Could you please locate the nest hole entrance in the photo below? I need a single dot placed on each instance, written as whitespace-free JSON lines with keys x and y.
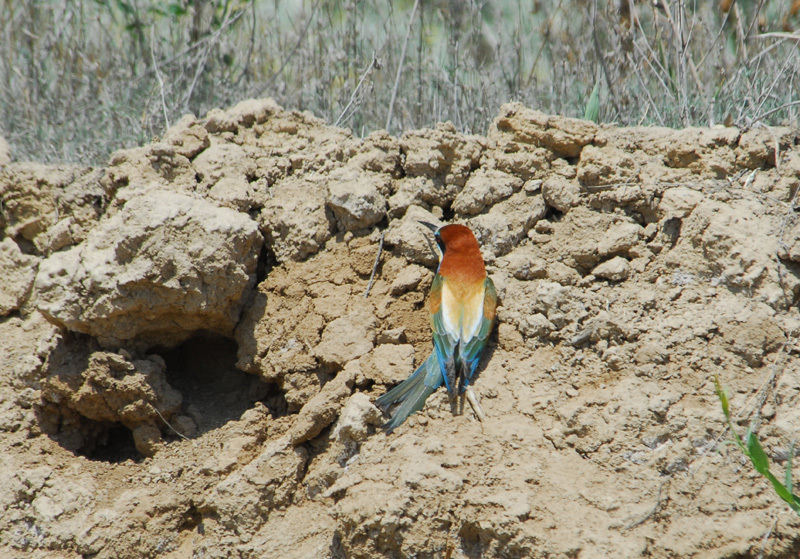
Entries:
{"x":203,"y":369}
{"x":101,"y":441}
{"x":114,"y":445}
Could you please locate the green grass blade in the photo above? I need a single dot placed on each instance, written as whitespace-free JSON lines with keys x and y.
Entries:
{"x":723,"y":398}
{"x":789,"y":468}
{"x":760,"y":462}
{"x":592,"y":111}
{"x":783,"y":492}
{"x":756,"y":453}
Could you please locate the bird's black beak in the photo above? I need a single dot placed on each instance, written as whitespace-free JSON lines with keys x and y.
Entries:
{"x":430,"y":226}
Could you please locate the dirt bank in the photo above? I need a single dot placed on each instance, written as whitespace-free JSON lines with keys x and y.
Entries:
{"x":189,"y":352}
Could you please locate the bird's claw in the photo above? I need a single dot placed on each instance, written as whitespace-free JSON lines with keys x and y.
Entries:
{"x":475,"y":403}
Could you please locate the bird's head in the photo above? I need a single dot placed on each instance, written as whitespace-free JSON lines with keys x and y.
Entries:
{"x":453,"y":238}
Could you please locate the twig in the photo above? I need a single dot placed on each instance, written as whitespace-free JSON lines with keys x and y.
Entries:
{"x":644,"y":88}
{"x":651,"y":513}
{"x":714,"y":42}
{"x":456,"y":112}
{"x":782,"y":36}
{"x":775,"y":110}
{"x":778,"y":35}
{"x":544,"y":42}
{"x":200,"y":42}
{"x":400,"y":65}
{"x":374,"y":266}
{"x":367,"y":71}
{"x":158,"y":77}
{"x":777,"y":152}
{"x":201,"y":64}
{"x":181,"y":435}
{"x":749,"y":180}
{"x":684,"y":50}
{"x":250,"y":48}
{"x":769,"y":90}
{"x":602,"y":59}
{"x":755,"y":19}
{"x":294,"y":50}
{"x":765,"y":539}
{"x":760,"y":396}
{"x":740,"y":30}
{"x":657,"y":72}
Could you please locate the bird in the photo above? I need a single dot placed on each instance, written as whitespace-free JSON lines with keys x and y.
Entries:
{"x":462,"y":306}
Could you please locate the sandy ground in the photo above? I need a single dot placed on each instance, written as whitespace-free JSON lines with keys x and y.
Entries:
{"x":190,"y":344}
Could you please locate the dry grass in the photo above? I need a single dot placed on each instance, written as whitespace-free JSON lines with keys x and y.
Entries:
{"x":79,"y":79}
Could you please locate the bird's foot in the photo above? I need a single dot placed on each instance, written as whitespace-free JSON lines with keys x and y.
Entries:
{"x":475,"y":403}
{"x":457,"y":405}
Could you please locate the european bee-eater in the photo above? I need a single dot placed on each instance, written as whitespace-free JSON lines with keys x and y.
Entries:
{"x":462,"y":307}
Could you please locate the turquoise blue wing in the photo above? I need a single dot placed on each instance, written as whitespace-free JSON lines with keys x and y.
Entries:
{"x":470,"y":352}
{"x":444,"y":341}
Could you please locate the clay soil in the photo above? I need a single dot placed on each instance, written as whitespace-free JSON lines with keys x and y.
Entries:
{"x":191,"y":339}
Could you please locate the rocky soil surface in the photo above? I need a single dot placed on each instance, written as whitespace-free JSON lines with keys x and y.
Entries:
{"x":191,"y":340}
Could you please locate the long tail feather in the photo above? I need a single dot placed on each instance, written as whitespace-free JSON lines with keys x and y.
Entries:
{"x":411,"y":393}
{"x":413,"y":403}
{"x":400,"y":392}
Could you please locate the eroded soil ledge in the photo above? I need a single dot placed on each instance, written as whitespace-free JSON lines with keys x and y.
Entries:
{"x":188,"y":357}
